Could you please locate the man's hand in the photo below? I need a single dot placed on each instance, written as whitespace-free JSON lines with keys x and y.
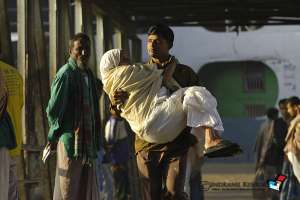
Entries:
{"x":120,"y":97}
{"x":53,"y":145}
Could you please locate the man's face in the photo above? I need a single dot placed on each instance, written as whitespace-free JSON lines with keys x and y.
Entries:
{"x":157,"y":46}
{"x":292,"y":110}
{"x":283,"y":110}
{"x":80,"y":52}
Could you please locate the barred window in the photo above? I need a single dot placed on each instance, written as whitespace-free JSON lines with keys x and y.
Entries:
{"x":255,"y":110}
{"x":254,"y":78}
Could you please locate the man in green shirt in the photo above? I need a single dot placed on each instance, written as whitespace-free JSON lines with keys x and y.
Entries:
{"x":73,"y":115}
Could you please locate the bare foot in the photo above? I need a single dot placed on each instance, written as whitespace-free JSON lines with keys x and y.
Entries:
{"x":212,"y":138}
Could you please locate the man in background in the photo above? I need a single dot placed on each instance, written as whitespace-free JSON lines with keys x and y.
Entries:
{"x":12,"y":125}
{"x":117,"y":140}
{"x":291,"y":187}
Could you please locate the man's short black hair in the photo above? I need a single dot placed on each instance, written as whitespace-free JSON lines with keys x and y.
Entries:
{"x":83,"y":38}
{"x":293,"y":101}
{"x":282,"y":101}
{"x":272,"y":113}
{"x":163,"y":31}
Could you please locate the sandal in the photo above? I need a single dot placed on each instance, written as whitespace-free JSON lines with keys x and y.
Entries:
{"x":225,"y":148}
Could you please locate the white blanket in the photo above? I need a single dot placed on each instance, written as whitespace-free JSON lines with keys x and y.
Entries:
{"x":153,"y":120}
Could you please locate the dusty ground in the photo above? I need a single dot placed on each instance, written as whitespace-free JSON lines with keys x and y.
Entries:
{"x":228,"y":181}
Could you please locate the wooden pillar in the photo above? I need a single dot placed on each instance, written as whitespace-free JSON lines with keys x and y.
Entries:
{"x":108,"y":33}
{"x":53,"y":36}
{"x":88,"y":20}
{"x":125,"y":43}
{"x":136,"y":49}
{"x":78,"y":16}
{"x":5,"y":40}
{"x":99,"y":41}
{"x":117,"y":39}
{"x":33,"y":66}
{"x":22,"y":66}
{"x":59,"y":34}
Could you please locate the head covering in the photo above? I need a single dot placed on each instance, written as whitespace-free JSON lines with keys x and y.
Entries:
{"x":109,"y":60}
{"x":164,"y":31}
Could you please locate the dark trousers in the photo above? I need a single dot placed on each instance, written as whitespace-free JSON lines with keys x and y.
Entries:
{"x":121,"y":183}
{"x":157,"y":168}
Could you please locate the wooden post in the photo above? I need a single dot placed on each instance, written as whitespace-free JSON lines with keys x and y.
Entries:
{"x":125,"y":43}
{"x":59,"y":34}
{"x":88,"y":20}
{"x":99,"y":41}
{"x":108,"y":33}
{"x":118,"y":39}
{"x":22,"y":66}
{"x":53,"y":45}
{"x":5,"y":40}
{"x":34,"y":69}
{"x":136,"y":49}
{"x":78,"y":16}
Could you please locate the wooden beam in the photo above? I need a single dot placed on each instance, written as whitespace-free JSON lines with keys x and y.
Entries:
{"x":121,"y":21}
{"x":5,"y":40}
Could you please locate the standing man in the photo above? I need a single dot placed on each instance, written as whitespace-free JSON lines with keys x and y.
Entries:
{"x":74,"y":120}
{"x":268,"y":159}
{"x":163,"y":164}
{"x":292,"y":147}
{"x":291,"y":187}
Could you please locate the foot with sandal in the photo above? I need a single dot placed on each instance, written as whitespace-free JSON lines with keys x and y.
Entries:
{"x":215,"y":146}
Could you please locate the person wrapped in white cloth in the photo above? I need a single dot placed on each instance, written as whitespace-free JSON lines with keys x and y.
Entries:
{"x":154,"y":118}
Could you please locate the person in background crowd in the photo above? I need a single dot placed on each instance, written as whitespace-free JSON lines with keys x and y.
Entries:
{"x":283,"y":110}
{"x":116,"y":136}
{"x":291,"y":187}
{"x":267,"y":149}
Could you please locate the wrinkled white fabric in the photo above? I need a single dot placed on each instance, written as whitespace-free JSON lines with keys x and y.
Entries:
{"x":152,"y":115}
{"x":295,"y":163}
{"x":201,"y":108}
{"x":109,"y":60}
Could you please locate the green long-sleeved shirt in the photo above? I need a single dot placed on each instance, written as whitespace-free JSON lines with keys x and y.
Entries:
{"x":61,"y":108}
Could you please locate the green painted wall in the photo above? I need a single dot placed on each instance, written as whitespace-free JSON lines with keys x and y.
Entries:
{"x":225,"y":82}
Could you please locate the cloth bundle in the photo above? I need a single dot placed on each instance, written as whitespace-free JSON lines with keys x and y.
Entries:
{"x":156,"y":121}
